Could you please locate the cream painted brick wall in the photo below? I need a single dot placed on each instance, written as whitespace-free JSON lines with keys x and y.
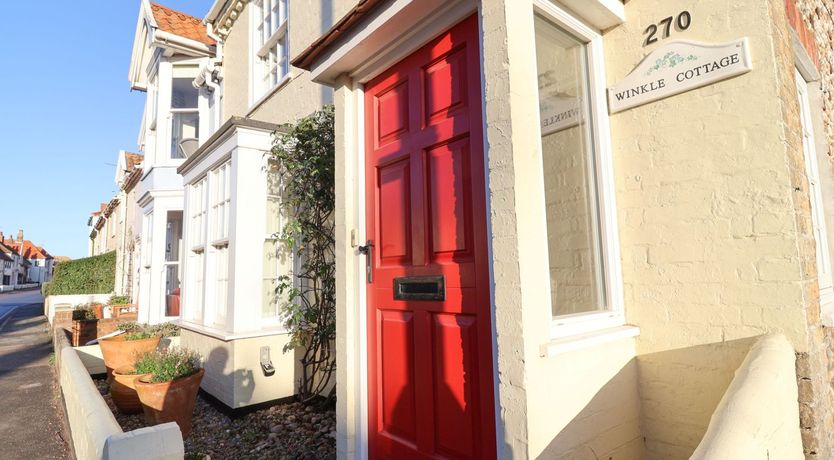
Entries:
{"x":549,"y":407}
{"x":499,"y":145}
{"x":298,"y":98}
{"x":712,"y":236}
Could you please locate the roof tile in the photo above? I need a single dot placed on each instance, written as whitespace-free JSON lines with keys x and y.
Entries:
{"x":181,"y":24}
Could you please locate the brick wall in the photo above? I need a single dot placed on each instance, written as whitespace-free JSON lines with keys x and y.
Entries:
{"x":811,"y":22}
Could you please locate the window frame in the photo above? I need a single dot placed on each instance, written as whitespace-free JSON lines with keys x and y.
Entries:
{"x":181,"y":111}
{"x":260,"y":49}
{"x":818,"y":221}
{"x":198,"y":207}
{"x":220,"y":200}
{"x":580,"y":323}
{"x":276,"y":319}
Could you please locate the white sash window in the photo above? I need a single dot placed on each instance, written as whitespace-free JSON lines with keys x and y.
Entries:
{"x":270,"y":56}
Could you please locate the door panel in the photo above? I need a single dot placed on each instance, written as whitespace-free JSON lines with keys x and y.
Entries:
{"x":429,"y":358}
{"x":397,"y":349}
{"x":394,"y":202}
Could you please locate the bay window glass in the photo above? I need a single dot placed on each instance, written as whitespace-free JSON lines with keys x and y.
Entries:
{"x":271,"y":254}
{"x":184,"y":111}
{"x":198,"y":209}
{"x":221,"y":284}
{"x":221,"y":199}
{"x":219,"y":229}
{"x":575,"y":245}
{"x":270,"y":63}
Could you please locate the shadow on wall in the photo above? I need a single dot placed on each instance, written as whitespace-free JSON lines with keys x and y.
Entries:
{"x":679,"y":391}
{"x":241,"y":380}
{"x":657,"y":406}
{"x":607,"y":427}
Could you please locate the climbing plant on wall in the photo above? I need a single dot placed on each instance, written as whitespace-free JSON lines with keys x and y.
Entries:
{"x":304,"y":161}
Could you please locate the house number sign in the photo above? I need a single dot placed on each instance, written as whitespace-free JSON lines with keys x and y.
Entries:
{"x":682,"y":22}
{"x":676,"y":67}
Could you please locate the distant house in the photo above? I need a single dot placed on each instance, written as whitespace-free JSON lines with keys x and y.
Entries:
{"x":98,"y":232}
{"x":36,"y":264}
{"x":8,"y":262}
{"x":127,"y":221}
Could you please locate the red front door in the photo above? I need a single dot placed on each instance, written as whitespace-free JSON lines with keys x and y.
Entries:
{"x":429,"y":332}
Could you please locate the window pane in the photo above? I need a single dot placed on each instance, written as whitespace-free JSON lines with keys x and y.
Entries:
{"x":270,"y":279}
{"x":185,"y":128}
{"x":183,"y":94}
{"x":574,"y":243}
{"x":173,"y":236}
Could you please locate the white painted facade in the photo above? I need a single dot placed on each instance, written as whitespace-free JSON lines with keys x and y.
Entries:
{"x":163,"y":66}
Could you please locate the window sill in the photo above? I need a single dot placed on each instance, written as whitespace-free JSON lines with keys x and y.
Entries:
{"x":588,"y":340}
{"x":224,"y":243}
{"x":226,"y":335}
{"x":258,"y":102}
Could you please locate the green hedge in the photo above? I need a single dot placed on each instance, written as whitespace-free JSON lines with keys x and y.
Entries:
{"x":91,"y":275}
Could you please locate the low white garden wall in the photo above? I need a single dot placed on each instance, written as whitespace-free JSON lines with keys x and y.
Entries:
{"x":18,"y":287}
{"x":95,"y":433}
{"x":758,"y":417}
{"x":54,"y":303}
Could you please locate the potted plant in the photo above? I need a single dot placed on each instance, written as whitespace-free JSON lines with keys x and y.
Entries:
{"x":169,"y":390}
{"x":84,"y":325}
{"x":120,"y":306}
{"x":123,"y":390}
{"x":98,"y":309}
{"x":121,"y":350}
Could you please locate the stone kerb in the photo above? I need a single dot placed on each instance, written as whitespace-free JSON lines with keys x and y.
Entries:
{"x":94,"y":430}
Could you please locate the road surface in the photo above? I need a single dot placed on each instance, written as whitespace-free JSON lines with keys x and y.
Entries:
{"x":30,"y":424}
{"x":11,"y":300}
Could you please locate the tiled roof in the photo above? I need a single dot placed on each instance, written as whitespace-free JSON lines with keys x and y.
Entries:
{"x":181,"y":24}
{"x":8,"y":248}
{"x":133,"y":159}
{"x":29,"y":249}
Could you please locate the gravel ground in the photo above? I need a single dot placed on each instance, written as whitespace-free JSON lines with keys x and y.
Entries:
{"x":284,"y":431}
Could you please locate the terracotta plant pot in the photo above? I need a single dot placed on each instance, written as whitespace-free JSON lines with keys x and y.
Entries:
{"x":123,"y":390}
{"x":118,"y":352}
{"x":170,"y":401}
{"x":84,"y":331}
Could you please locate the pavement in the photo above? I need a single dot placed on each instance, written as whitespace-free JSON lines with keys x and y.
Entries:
{"x":31,"y":420}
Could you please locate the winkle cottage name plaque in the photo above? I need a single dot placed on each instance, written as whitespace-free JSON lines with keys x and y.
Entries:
{"x":677,"y":67}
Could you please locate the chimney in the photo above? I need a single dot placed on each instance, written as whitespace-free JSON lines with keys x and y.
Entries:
{"x":20,"y":235}
{"x":2,"y":237}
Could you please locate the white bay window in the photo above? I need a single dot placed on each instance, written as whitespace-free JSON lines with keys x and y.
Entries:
{"x":219,"y":228}
{"x":198,"y":209}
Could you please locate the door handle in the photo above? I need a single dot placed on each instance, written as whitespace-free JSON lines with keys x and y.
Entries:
{"x":368,"y":251}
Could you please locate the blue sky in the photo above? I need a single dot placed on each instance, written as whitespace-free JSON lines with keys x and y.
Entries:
{"x":65,"y":111}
